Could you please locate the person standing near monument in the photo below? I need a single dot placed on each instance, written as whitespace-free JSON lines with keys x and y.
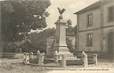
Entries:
{"x":31,"y":55}
{"x":38,"y":55}
{"x":85,"y":59}
{"x":42,"y":56}
{"x":26,"y":58}
{"x":56,"y":56}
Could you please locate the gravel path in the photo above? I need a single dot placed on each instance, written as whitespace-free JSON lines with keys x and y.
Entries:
{"x":16,"y":66}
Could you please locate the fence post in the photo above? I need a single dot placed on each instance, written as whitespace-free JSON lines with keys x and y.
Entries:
{"x":31,"y":55}
{"x":56,"y":57}
{"x":85,"y":59}
{"x":95,"y":59}
{"x":24,"y":60}
{"x":38,"y":56}
{"x":42,"y":58}
{"x":63,"y":61}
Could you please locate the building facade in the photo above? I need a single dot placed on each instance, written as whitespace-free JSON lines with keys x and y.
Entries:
{"x":89,"y":20}
{"x":96,"y":27}
{"x":108,"y":26}
{"x":1,"y":42}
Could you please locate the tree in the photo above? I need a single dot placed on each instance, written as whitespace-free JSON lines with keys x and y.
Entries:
{"x":69,"y":45}
{"x":19,"y":17}
{"x":39,"y":40}
{"x":69,"y":22}
{"x":70,"y":32}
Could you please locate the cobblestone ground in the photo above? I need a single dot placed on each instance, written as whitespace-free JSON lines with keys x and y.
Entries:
{"x":16,"y":66}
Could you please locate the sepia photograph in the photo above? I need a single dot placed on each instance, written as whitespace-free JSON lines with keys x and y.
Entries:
{"x":56,"y":36}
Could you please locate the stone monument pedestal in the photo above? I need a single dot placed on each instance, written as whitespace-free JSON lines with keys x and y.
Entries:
{"x":60,"y":45}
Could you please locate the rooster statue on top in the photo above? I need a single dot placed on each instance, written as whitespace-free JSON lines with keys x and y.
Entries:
{"x":61,"y":11}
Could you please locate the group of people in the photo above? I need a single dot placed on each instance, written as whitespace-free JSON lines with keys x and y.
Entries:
{"x":30,"y":56}
{"x":41,"y":56}
{"x":26,"y":58}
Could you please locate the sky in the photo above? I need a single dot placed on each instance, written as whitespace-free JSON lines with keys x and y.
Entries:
{"x":71,"y":7}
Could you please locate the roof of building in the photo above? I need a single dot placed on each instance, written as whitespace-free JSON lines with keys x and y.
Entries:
{"x":90,"y":7}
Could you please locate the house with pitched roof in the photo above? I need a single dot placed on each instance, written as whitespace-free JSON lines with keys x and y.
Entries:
{"x":95,"y":27}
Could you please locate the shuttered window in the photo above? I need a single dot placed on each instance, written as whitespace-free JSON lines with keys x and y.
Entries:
{"x":89,"y":40}
{"x":111,"y":14}
{"x":89,"y":20}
